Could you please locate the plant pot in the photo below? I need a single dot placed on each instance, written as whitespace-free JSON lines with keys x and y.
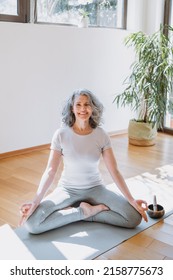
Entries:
{"x":142,"y":134}
{"x":83,"y":22}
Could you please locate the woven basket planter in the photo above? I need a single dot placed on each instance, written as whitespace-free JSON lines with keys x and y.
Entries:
{"x":142,"y":134}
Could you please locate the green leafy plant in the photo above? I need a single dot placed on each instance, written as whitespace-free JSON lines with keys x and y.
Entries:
{"x":83,"y":13}
{"x":151,"y":77}
{"x":105,"y":4}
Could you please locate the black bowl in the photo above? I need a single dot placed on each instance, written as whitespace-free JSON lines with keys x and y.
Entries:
{"x":155,"y":214}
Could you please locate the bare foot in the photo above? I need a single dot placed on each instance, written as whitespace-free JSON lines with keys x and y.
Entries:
{"x":91,"y":210}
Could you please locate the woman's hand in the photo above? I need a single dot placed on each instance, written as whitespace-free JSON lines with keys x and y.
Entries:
{"x":26,"y":211}
{"x":141,"y":207}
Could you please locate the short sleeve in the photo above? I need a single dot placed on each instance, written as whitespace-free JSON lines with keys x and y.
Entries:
{"x":56,"y":143}
{"x":105,"y":141}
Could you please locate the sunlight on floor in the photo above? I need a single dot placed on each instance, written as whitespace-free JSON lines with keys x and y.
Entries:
{"x":12,"y":248}
{"x":72,"y":251}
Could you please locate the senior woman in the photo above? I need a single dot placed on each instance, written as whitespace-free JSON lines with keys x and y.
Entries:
{"x":81,"y":193}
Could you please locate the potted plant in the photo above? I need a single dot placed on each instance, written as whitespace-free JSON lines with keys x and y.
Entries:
{"x":148,"y":85}
{"x":83,"y":18}
{"x":84,"y":12}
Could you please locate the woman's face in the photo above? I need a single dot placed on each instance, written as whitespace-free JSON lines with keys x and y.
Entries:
{"x":82,"y":108}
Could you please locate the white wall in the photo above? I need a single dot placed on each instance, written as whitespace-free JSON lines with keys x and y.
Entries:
{"x":42,"y":64}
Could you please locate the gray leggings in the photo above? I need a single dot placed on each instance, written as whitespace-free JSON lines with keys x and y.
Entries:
{"x":50,"y":214}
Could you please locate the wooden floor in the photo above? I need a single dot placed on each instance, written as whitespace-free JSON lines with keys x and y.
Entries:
{"x":20,"y":176}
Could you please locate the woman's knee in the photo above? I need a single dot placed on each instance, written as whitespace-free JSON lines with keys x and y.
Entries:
{"x":31,"y":226}
{"x":134,"y":219}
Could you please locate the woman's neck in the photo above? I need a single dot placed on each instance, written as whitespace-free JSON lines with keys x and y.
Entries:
{"x":82,"y":128}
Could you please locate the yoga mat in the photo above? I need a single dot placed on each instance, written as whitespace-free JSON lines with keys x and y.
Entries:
{"x":87,"y":240}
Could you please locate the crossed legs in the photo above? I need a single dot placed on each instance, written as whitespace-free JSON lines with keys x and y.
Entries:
{"x":97,"y":204}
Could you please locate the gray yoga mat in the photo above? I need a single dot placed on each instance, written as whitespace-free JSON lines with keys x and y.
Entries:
{"x":78,"y":241}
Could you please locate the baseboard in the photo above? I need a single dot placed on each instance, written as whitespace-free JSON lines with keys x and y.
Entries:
{"x":24,"y":151}
{"x":118,"y":132}
{"x":47,"y":146}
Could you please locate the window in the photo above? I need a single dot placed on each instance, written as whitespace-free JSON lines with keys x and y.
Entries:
{"x":101,"y":13}
{"x":14,"y":10}
{"x":168,"y":125}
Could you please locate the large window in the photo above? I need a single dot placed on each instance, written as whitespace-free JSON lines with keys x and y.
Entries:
{"x":14,"y":10}
{"x":101,"y":13}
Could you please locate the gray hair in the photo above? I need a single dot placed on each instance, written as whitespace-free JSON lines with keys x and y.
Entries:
{"x":68,"y":116}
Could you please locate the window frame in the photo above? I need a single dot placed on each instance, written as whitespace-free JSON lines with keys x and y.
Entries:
{"x":167,"y":14}
{"x":124,"y":19}
{"x":23,"y":16}
{"x":124,"y":23}
{"x":167,"y":18}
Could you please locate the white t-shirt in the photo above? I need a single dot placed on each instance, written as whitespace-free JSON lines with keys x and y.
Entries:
{"x":81,"y":154}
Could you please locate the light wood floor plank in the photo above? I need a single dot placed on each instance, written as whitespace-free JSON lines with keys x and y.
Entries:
{"x":132,"y":251}
{"x":141,"y":240}
{"x":161,"y":236}
{"x":162,"y":248}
